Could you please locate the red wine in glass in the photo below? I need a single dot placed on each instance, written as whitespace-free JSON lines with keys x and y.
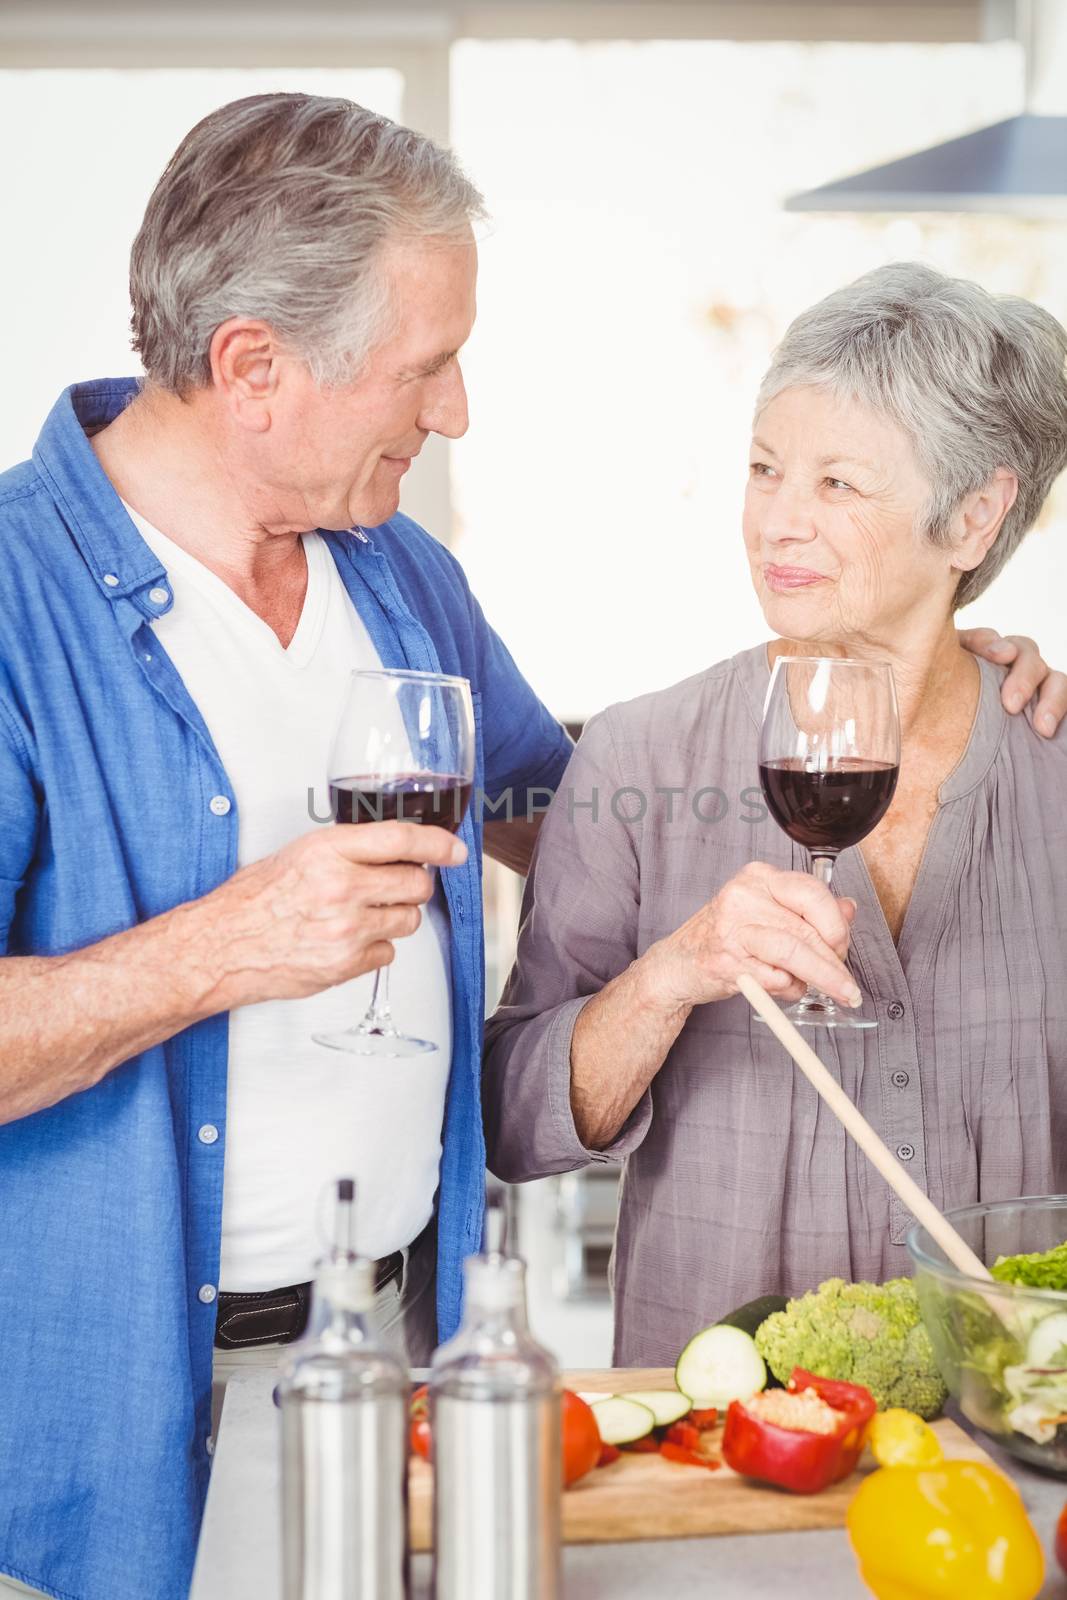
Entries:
{"x":828,"y":762}
{"x":438,"y":799}
{"x":828,"y":809}
{"x":403,"y":751}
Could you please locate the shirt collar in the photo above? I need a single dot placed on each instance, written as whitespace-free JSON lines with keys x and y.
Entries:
{"x":113,"y":550}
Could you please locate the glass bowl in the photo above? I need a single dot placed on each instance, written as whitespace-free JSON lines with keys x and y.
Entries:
{"x":1002,"y":1356}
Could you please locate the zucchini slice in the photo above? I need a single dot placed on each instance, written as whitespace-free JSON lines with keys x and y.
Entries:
{"x":719,"y":1365}
{"x":622,"y":1421}
{"x":666,"y":1405}
{"x":1047,"y":1344}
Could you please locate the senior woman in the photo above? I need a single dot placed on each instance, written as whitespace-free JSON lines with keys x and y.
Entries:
{"x":906,"y":436}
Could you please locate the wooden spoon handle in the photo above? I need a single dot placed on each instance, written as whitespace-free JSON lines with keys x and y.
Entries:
{"x":920,"y":1205}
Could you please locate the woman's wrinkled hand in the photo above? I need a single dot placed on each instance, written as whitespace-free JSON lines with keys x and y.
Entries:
{"x":784,"y":928}
{"x":1028,"y":674}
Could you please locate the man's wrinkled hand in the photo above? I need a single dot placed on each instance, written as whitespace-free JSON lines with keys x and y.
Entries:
{"x":1029,"y":673}
{"x":324,"y":909}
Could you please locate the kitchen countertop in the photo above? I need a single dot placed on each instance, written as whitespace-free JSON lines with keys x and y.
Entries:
{"x":240,"y":1545}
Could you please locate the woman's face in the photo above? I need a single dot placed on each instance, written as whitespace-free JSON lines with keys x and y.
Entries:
{"x":831,"y":522}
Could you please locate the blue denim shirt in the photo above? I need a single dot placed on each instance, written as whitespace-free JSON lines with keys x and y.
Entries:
{"x":110,"y":1204}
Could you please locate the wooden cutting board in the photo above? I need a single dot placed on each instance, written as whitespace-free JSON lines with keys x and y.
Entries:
{"x":645,"y":1497}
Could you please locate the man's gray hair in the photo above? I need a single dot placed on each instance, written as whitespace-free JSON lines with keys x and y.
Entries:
{"x":977,"y":381}
{"x":278,"y":206}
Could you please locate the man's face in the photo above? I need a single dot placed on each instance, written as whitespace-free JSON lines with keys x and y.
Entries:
{"x":336,"y":457}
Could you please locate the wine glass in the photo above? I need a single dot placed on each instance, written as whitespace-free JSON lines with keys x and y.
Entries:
{"x":404,"y":749}
{"x":829,"y":757}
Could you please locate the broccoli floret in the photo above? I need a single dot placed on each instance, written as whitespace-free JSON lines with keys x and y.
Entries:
{"x":869,"y":1333}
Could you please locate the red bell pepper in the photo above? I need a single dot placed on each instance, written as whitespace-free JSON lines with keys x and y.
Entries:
{"x":793,"y":1457}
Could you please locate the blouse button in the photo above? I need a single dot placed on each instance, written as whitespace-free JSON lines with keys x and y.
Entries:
{"x":895,"y":1009}
{"x":905,"y":1152}
{"x":206,"y":1293}
{"x":900,"y":1080}
{"x":219,"y":805}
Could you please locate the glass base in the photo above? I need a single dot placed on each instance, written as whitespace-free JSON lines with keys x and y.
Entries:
{"x":821,"y":1012}
{"x":381,"y":1042}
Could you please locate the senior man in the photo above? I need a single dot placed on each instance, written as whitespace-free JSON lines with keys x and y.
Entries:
{"x":191,"y":568}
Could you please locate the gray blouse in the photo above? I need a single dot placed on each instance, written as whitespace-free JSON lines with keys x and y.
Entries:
{"x":738,"y":1181}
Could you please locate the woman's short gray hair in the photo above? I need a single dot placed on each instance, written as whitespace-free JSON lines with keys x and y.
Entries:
{"x":977,"y":381}
{"x":277,"y":206}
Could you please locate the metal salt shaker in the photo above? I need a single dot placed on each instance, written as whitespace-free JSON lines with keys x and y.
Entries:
{"x":344,"y":1410}
{"x":495,"y":1421}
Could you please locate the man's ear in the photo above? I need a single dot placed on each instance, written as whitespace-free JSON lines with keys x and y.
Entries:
{"x":246,"y":370}
{"x":980,"y":518}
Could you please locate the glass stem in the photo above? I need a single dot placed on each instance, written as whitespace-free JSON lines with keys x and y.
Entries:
{"x":822,"y":867}
{"x":379,"y":1018}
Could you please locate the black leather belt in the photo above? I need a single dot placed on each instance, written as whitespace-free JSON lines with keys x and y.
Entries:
{"x":278,"y":1316}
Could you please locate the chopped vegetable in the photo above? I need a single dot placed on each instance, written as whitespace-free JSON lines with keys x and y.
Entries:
{"x":608,"y":1454}
{"x":944,"y":1533}
{"x":707,"y":1417}
{"x":648,"y":1446}
{"x":718,"y":1365}
{"x":686,"y":1457}
{"x":622,"y":1421}
{"x":865,"y":1333}
{"x":1061,"y":1539}
{"x":683,"y":1433}
{"x":901,"y":1439}
{"x":1041,"y":1269}
{"x":666,"y":1405}
{"x":782,"y":1449}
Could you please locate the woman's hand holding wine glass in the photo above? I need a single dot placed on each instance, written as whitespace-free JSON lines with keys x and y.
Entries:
{"x":782,"y":927}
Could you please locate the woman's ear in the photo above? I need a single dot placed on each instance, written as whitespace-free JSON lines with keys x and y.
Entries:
{"x":980,"y":518}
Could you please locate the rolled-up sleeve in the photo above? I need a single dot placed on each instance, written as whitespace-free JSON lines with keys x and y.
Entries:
{"x":579,"y":930}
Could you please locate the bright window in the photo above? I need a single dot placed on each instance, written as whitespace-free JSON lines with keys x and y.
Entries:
{"x":84,"y":151}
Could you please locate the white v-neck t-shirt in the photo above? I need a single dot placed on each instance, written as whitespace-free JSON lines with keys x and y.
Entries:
{"x":298,"y":1115}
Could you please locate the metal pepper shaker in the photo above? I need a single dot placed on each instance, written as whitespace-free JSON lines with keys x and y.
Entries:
{"x":495,"y":1422}
{"x":344,"y":1409}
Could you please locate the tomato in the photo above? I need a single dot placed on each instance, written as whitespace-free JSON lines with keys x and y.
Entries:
{"x":419,"y":1432}
{"x":1061,"y":1539}
{"x":608,"y":1455}
{"x":581,"y":1439}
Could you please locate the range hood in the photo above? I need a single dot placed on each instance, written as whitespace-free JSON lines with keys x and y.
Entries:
{"x":1017,"y":166}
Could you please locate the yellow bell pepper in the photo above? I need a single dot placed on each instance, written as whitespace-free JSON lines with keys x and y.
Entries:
{"x":953,"y":1530}
{"x":899,"y":1438}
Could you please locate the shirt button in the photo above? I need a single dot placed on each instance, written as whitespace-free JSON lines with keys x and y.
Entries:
{"x":208,"y":1133}
{"x":219,"y":804}
{"x":209,"y":1445}
{"x":111,"y":580}
{"x":905,"y":1151}
{"x":158,"y":597}
{"x":207,"y":1291}
{"x":900,"y":1080}
{"x":895,"y":1009}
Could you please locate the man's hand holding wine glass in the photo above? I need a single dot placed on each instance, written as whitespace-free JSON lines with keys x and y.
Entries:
{"x":325,"y":908}
{"x":784,"y":928}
